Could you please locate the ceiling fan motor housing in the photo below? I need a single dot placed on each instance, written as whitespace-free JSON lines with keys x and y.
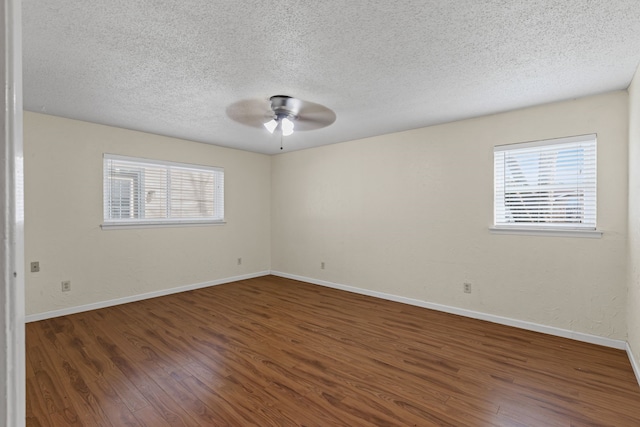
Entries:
{"x":285,"y":106}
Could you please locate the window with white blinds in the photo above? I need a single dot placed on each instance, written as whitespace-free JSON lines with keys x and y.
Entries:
{"x":149,"y":192}
{"x":547,"y":184}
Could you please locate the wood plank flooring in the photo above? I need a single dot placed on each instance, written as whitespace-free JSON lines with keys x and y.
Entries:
{"x":276,"y":352}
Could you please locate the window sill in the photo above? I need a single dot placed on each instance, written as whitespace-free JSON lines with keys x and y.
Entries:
{"x":592,"y":234}
{"x":158,"y":224}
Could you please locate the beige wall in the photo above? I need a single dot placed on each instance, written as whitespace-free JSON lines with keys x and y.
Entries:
{"x":405,"y":214}
{"x":633,"y":297}
{"x":63,"y":213}
{"x":408,"y":214}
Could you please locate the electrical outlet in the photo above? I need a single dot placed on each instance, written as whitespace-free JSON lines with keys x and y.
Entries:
{"x":66,"y":286}
{"x":466,"y":287}
{"x":322,"y":265}
{"x":239,"y":261}
{"x":35,"y":267}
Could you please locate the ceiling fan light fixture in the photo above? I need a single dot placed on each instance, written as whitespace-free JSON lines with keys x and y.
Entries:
{"x":271,"y":125}
{"x":287,"y":126}
{"x":282,"y":123}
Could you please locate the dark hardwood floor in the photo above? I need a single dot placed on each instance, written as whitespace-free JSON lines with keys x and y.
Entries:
{"x":276,"y":352}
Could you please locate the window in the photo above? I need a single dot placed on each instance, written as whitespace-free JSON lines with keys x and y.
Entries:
{"x":546,"y":185}
{"x":149,"y":192}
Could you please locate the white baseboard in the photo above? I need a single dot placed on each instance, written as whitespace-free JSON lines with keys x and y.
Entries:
{"x":634,"y":363}
{"x":140,"y":297}
{"x":550,"y":330}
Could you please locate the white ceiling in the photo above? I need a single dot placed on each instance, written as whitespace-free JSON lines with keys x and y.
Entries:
{"x":173,"y":67}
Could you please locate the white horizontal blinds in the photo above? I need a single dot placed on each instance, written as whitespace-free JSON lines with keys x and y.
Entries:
{"x":153,"y":192}
{"x":140,"y":190}
{"x":126,"y":185}
{"x":218,"y":194}
{"x":196,"y":193}
{"x":546,"y":184}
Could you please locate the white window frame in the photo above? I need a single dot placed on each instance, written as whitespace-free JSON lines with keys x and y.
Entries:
{"x":588,"y":208}
{"x":217,"y":217}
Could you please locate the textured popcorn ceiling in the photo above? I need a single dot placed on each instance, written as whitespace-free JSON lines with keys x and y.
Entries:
{"x":173,"y":67}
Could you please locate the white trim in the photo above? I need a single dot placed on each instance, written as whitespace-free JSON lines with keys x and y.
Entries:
{"x":544,"y":142}
{"x":153,"y":162}
{"x":139,"y":297}
{"x":634,"y":363}
{"x":530,"y":326}
{"x":159,"y":224}
{"x":592,"y":234}
{"x":12,"y":328}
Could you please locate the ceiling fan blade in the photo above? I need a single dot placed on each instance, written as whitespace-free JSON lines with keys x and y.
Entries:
{"x":306,"y":123}
{"x":314,"y":116}
{"x":250,"y":112}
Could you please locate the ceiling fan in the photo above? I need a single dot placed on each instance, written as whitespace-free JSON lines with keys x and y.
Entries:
{"x":282,"y":114}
